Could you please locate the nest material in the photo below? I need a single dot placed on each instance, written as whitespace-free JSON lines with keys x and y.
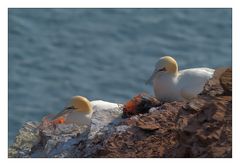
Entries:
{"x":139,"y":104}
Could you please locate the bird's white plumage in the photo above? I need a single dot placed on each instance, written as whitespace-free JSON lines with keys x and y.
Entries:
{"x":99,"y":106}
{"x":184,"y":84}
{"x":81,"y":111}
{"x":80,"y":118}
{"x":103,"y":114}
{"x":103,"y":105}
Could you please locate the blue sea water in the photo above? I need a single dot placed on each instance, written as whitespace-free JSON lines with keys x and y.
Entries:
{"x":105,"y":54}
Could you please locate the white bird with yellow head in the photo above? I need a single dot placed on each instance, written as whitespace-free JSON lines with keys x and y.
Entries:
{"x":169,"y":84}
{"x":78,"y":111}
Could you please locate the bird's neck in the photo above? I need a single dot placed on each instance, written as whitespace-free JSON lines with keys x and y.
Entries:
{"x":176,"y":74}
{"x":171,"y":74}
{"x":164,"y":77}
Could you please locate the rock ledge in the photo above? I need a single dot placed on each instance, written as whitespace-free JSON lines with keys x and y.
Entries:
{"x":201,"y":127}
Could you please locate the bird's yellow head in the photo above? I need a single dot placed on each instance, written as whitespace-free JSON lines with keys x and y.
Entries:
{"x":81,"y":104}
{"x":165,"y":64}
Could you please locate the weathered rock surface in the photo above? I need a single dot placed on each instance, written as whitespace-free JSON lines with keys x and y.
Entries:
{"x":64,"y":140}
{"x":201,"y":127}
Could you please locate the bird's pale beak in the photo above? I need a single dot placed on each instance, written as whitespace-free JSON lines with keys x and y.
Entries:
{"x":149,"y":81}
{"x":67,"y":110}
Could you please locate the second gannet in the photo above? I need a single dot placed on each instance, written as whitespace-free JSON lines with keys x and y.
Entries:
{"x":169,"y":84}
{"x":79,"y":111}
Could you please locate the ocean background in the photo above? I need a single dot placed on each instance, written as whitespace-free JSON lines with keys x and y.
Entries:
{"x":105,"y":54}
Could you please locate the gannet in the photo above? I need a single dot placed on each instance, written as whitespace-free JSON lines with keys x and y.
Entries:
{"x":169,"y":84}
{"x":79,"y":111}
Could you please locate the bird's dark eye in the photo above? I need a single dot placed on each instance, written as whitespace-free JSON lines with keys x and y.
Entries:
{"x":162,"y":69}
{"x":70,"y":107}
